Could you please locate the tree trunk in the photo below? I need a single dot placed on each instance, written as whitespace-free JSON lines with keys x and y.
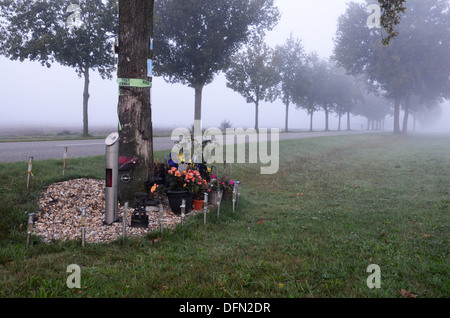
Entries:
{"x":406,"y":118}
{"x":135,"y":116}
{"x":326,"y":118}
{"x":348,"y":121}
{"x":397,"y":117}
{"x":340,"y":119}
{"x":311,"y":121}
{"x":86,"y":101}
{"x":286,"y":125}
{"x":257,"y":116}
{"x":198,"y":101}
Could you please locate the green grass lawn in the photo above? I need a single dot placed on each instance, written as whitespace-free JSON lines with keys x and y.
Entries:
{"x":337,"y":205}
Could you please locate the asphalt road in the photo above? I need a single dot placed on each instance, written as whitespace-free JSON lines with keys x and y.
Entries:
{"x":41,"y":150}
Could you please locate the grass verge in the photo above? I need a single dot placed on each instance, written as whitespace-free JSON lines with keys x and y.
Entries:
{"x":337,"y":205}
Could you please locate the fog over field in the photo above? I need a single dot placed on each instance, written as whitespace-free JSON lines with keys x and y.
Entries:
{"x":34,"y":96}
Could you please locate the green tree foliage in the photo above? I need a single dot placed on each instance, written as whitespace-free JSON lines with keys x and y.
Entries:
{"x":37,"y":30}
{"x":415,"y":63}
{"x":391,"y":11}
{"x":290,"y":61}
{"x":253,"y":75}
{"x":195,"y":39}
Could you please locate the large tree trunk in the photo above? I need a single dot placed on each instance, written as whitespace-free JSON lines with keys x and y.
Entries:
{"x":256,"y":116}
{"x":286,"y":124}
{"x":311,"y":115}
{"x":327,"y":114}
{"x":198,"y":101}
{"x":406,"y":118}
{"x":397,"y":117}
{"x":86,"y":101}
{"x":135,"y":116}
{"x":339,"y":124}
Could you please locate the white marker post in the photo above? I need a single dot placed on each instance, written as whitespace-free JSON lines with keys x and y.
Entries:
{"x":64,"y":160}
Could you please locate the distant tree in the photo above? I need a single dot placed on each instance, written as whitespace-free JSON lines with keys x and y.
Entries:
{"x":225,"y":124}
{"x":195,"y":39}
{"x":348,"y":91}
{"x":324,"y":89}
{"x":290,"y":61}
{"x":253,"y":75}
{"x":373,"y":107}
{"x":416,"y":62}
{"x":308,"y":99}
{"x":37,"y":30}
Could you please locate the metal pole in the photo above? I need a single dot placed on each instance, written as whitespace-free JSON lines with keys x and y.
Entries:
{"x":205,"y":208}
{"x":30,"y":227}
{"x":161,"y":213}
{"x":183,"y":209}
{"x":83,"y":227}
{"x":30,"y":167}
{"x":234,"y":198}
{"x":124,"y":220}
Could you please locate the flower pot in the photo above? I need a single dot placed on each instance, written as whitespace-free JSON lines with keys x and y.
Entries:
{"x":212,"y":197}
{"x":197,"y":204}
{"x":227,"y":196}
{"x":175,"y":200}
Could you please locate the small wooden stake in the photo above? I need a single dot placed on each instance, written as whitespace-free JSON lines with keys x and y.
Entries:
{"x":30,"y":167}
{"x":64,"y":160}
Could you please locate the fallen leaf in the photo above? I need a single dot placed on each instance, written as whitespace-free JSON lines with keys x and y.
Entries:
{"x":407,"y":294}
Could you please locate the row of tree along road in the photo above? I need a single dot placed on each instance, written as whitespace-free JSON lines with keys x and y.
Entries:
{"x":404,"y":64}
{"x":374,"y":72}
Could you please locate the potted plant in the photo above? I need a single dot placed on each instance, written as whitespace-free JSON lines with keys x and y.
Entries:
{"x":197,"y":186}
{"x":177,"y":191}
{"x":188,"y":185}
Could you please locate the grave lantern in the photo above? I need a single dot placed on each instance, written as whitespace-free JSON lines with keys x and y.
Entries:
{"x":112,"y":177}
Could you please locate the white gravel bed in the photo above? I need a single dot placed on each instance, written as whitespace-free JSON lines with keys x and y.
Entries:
{"x":59,"y":216}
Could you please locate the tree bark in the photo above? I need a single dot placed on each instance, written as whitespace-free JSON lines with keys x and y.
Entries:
{"x":327,"y":113}
{"x":339,"y":124}
{"x":257,"y":116}
{"x":311,"y":121}
{"x":198,"y":101}
{"x":348,"y":121}
{"x":286,"y":124}
{"x":397,"y":117}
{"x":135,"y":115}
{"x":406,"y":117}
{"x":86,"y":101}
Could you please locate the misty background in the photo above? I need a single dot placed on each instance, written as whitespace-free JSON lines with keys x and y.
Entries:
{"x":51,"y":98}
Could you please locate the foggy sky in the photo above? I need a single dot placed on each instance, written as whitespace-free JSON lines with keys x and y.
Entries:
{"x":33,"y":95}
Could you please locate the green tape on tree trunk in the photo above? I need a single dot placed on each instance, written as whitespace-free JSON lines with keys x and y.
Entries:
{"x":133,"y":82}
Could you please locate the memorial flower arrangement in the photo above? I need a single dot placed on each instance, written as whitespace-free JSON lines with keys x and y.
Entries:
{"x":190,"y":180}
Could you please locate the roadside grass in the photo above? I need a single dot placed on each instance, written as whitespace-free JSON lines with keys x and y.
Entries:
{"x":337,"y":205}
